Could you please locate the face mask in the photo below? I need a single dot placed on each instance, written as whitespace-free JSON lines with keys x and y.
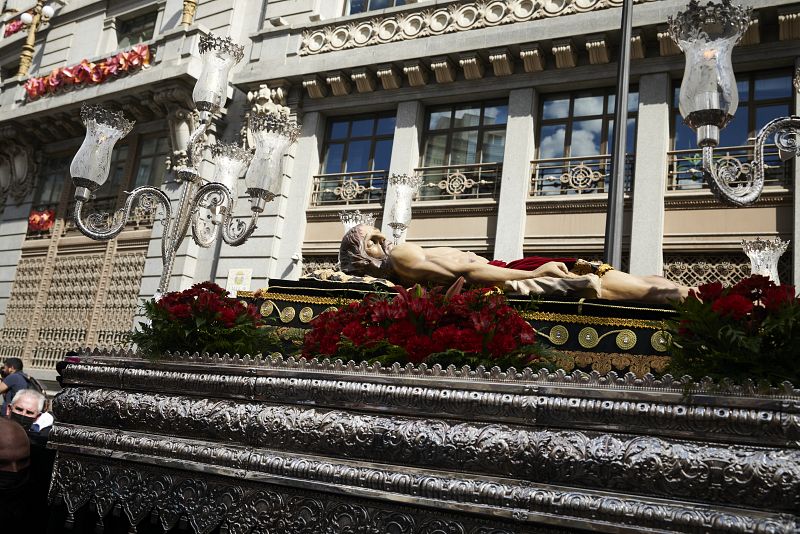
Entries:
{"x":23,"y":420}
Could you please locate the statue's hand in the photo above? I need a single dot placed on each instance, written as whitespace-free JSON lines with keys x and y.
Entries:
{"x":555,"y":269}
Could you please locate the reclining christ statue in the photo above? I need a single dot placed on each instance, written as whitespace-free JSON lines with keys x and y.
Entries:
{"x":365,"y":251}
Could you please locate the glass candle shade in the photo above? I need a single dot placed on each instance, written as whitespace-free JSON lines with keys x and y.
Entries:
{"x":230,"y":161}
{"x":219,"y":55}
{"x":764,"y":255}
{"x":404,"y":188}
{"x":272,"y":134}
{"x":351,"y":219}
{"x":90,"y":166}
{"x":707,"y":35}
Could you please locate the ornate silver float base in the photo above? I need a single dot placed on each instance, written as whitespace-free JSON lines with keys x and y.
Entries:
{"x":282,"y":446}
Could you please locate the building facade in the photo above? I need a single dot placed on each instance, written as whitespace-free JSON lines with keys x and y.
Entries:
{"x":504,"y":107}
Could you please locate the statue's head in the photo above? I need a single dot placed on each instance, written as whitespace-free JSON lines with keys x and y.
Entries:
{"x":365,"y":252}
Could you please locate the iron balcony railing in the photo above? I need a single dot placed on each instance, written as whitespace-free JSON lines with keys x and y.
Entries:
{"x":458,"y":182}
{"x":685,"y":166}
{"x":575,"y":175}
{"x":342,"y":189}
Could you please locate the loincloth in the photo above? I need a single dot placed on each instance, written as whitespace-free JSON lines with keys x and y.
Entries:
{"x":576,"y":266}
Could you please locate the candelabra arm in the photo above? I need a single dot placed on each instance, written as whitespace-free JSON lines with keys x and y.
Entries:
{"x":741,"y":184}
{"x":103,"y":226}
{"x":211,"y":210}
{"x":235,"y":232}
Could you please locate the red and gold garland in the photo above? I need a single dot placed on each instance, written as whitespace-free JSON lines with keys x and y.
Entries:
{"x":88,"y":73}
{"x":41,"y":220}
{"x":12,"y":27}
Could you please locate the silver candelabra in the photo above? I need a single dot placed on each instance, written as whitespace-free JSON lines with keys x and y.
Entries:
{"x":206,"y":205}
{"x":709,"y":98}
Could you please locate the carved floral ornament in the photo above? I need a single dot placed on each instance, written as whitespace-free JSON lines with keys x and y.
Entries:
{"x":460,"y":16}
{"x":17,"y":169}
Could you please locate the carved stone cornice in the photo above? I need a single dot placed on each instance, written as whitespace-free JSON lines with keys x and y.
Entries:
{"x":364,"y":80}
{"x":416,"y":72}
{"x":443,"y":69}
{"x":789,"y":24}
{"x":666,"y":46}
{"x":565,"y":54}
{"x":768,"y":199}
{"x":502,"y":62}
{"x":637,"y":45}
{"x":315,"y":86}
{"x":532,"y":57}
{"x":671,"y":416}
{"x":389,"y":76}
{"x":456,"y":17}
{"x":597,"y":47}
{"x":645,"y":465}
{"x":472,"y":65}
{"x":339,"y":83}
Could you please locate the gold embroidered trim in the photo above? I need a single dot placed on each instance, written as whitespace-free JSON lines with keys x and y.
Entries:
{"x":305,"y":299}
{"x":589,"y":319}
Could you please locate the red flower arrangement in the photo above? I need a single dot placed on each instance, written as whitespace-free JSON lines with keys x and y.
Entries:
{"x":41,"y":220}
{"x":474,"y":327}
{"x":201,"y":319}
{"x":87,"y":73}
{"x":12,"y":27}
{"x":750,"y":330}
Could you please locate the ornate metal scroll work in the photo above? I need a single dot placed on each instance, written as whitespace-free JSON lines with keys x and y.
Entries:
{"x":755,"y":423}
{"x":741,"y":184}
{"x":527,"y":377}
{"x":207,"y":502}
{"x":733,"y":474}
{"x":214,"y":214}
{"x":103,"y":226}
{"x":456,"y":183}
{"x":349,"y":190}
{"x":581,"y":177}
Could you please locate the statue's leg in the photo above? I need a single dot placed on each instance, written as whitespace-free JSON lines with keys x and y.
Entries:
{"x":618,"y":285}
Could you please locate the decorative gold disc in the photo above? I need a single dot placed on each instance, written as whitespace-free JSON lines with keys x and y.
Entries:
{"x":267,"y":308}
{"x":588,"y":338}
{"x":626,"y":339}
{"x":306,"y":314}
{"x":287,"y":314}
{"x":559,"y":335}
{"x":660,"y":340}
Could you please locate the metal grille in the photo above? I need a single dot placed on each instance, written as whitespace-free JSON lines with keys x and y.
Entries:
{"x":576,"y":175}
{"x":342,"y":189}
{"x":685,"y":166}
{"x":317,"y":263}
{"x":697,"y":269}
{"x":456,"y":182}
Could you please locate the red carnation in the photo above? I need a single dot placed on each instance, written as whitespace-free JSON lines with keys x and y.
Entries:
{"x":737,"y":306}
{"x":709,"y":292}
{"x":776,"y":297}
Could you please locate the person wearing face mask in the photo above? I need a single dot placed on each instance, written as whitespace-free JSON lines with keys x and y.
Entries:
{"x":14,"y":380}
{"x":27,"y":409}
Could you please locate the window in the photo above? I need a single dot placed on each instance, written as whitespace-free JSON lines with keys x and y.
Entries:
{"x":136,"y":30}
{"x":464,"y":148}
{"x":356,"y":158}
{"x":575,"y":141}
{"x":465,"y":134}
{"x":361,"y":6}
{"x":153,"y":153}
{"x":53,"y":175}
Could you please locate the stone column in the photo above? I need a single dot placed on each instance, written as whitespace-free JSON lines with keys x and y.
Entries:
{"x":289,"y":215}
{"x":516,"y":177}
{"x":796,"y":197}
{"x":405,"y":151}
{"x":650,"y":175}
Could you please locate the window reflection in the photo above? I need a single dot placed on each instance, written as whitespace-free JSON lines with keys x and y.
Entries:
{"x":360,"y":6}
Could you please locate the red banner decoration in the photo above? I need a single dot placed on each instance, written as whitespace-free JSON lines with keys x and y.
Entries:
{"x":41,"y":220}
{"x":87,"y":73}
